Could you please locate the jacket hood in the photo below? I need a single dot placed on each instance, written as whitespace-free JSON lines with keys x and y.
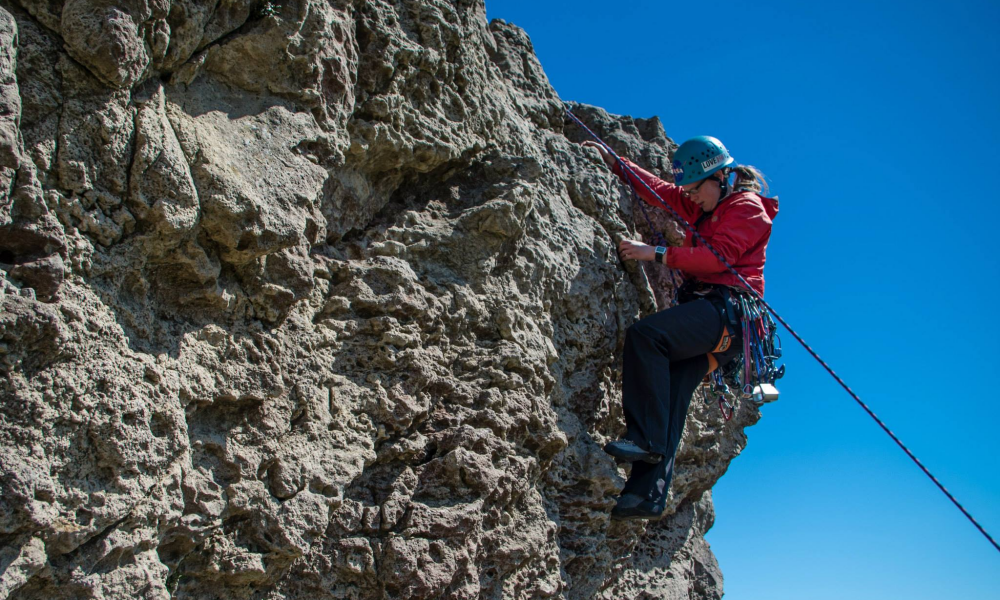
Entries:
{"x":771,"y":206}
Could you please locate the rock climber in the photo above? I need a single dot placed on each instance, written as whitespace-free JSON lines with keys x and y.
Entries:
{"x":669,"y":353}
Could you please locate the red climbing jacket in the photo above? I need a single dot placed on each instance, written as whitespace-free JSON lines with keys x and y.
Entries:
{"x":739,"y":229}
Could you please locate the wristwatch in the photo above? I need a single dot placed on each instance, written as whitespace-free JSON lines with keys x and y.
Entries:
{"x":660,"y":252}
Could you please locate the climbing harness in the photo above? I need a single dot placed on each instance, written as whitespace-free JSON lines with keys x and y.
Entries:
{"x":697,"y":236}
{"x":752,"y":372}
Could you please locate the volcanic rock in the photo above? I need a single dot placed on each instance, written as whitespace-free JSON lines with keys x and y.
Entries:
{"x":320,"y":299}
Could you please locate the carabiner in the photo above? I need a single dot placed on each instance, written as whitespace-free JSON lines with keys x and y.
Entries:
{"x":723,"y":403}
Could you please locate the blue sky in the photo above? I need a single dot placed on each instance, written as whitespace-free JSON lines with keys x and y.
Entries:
{"x":878,"y":125}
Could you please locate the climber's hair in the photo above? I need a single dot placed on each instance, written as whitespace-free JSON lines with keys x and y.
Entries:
{"x":750,"y":178}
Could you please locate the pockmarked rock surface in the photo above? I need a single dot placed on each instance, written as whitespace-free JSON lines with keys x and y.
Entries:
{"x":319,"y":299}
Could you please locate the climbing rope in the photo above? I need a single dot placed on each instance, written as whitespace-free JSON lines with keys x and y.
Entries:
{"x":628,"y":171}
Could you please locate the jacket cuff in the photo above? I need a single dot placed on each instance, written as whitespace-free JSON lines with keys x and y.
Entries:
{"x":617,"y":170}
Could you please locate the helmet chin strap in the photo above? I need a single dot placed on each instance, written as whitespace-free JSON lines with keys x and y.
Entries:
{"x":724,"y":187}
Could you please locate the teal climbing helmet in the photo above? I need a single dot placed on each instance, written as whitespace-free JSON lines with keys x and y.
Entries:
{"x":698,"y":158}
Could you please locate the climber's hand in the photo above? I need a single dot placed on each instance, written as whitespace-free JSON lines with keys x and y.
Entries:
{"x":605,"y":155}
{"x":632,"y":250}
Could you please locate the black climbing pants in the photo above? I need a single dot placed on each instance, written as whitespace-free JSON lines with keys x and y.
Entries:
{"x":664,"y":361}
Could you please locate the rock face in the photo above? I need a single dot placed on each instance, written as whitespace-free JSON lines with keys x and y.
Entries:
{"x":319,"y":299}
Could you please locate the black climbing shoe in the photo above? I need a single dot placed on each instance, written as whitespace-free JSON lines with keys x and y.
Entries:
{"x":627,"y":451}
{"x":631,"y":507}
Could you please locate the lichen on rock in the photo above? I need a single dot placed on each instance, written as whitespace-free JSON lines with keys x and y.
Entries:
{"x":319,"y":299}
